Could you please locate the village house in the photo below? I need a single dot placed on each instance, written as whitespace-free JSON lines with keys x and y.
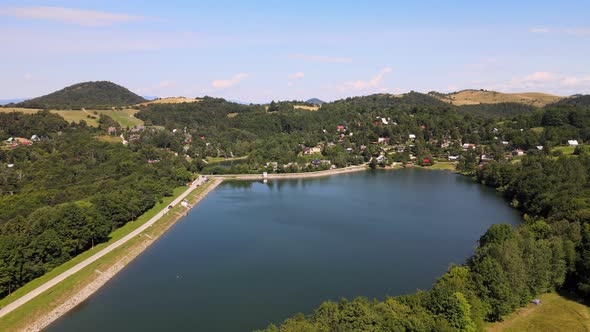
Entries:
{"x":572,"y":142}
{"x":312,"y":150}
{"x":445,"y":144}
{"x":467,"y":146}
{"x":454,"y":158}
{"x":381,"y":159}
{"x":518,"y":152}
{"x":137,"y":128}
{"x":383,"y":140}
{"x":35,"y":138}
{"x":112,"y":130}
{"x":412,"y":136}
{"x":505,"y":142}
{"x":340,"y":128}
{"x":272,"y":164}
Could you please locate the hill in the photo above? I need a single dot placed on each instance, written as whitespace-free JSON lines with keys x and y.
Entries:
{"x":315,"y":101}
{"x":384,"y":101}
{"x":170,"y":100}
{"x":98,"y":95}
{"x":577,"y":100}
{"x":496,"y":110}
{"x":476,"y":97}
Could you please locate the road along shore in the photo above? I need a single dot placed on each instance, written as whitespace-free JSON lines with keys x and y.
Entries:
{"x":273,"y":176}
{"x":43,"y":318}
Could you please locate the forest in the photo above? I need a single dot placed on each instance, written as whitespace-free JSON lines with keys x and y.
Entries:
{"x":68,"y":191}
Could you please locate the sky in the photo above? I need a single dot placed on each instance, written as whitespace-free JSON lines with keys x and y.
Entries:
{"x":257,"y":51}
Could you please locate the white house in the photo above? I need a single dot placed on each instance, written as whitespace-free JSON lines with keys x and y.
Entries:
{"x":453,"y":158}
{"x":412,"y":136}
{"x":572,"y":142}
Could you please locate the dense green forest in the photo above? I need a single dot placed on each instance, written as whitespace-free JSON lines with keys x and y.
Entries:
{"x":68,"y":191}
{"x":97,"y":95}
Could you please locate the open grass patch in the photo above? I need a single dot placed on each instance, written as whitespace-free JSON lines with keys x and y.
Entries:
{"x":443,"y":165}
{"x":555,"y":313}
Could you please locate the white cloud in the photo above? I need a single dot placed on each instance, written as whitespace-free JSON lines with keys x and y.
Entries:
{"x":167,"y":84}
{"x":577,"y":31}
{"x":539,"y":30}
{"x":373,"y":83}
{"x":222,"y":84}
{"x":539,"y":76}
{"x":546,"y":82}
{"x":70,"y":15}
{"x":320,"y":58}
{"x":68,"y":41}
{"x":297,"y":75}
{"x":584,"y":31}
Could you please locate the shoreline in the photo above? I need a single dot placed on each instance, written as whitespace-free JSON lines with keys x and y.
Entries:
{"x":143,"y":241}
{"x":274,"y":176}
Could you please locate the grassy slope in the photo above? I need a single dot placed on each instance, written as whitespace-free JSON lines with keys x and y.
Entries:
{"x":125,"y":117}
{"x":58,"y":294}
{"x":170,"y":100}
{"x":474,"y":97}
{"x":555,"y":313}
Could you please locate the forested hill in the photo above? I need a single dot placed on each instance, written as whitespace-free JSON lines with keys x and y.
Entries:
{"x":315,"y":101}
{"x":97,"y":95}
{"x":381,"y":101}
{"x":578,"y":100}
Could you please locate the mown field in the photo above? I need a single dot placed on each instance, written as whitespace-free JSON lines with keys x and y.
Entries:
{"x":475,"y":97}
{"x":125,"y":117}
{"x":555,"y":313}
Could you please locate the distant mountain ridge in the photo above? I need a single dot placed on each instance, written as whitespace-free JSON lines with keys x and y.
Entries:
{"x":11,"y":101}
{"x":99,"y":95}
{"x":315,"y":101}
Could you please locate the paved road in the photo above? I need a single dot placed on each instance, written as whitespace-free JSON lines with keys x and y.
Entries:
{"x":37,"y":291}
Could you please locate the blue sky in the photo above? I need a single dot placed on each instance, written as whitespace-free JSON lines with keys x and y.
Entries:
{"x":256,"y":51}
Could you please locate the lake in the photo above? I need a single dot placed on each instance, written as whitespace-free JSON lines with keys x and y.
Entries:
{"x":252,"y":253}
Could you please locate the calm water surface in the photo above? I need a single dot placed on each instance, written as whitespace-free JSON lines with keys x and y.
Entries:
{"x":253,"y":253}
